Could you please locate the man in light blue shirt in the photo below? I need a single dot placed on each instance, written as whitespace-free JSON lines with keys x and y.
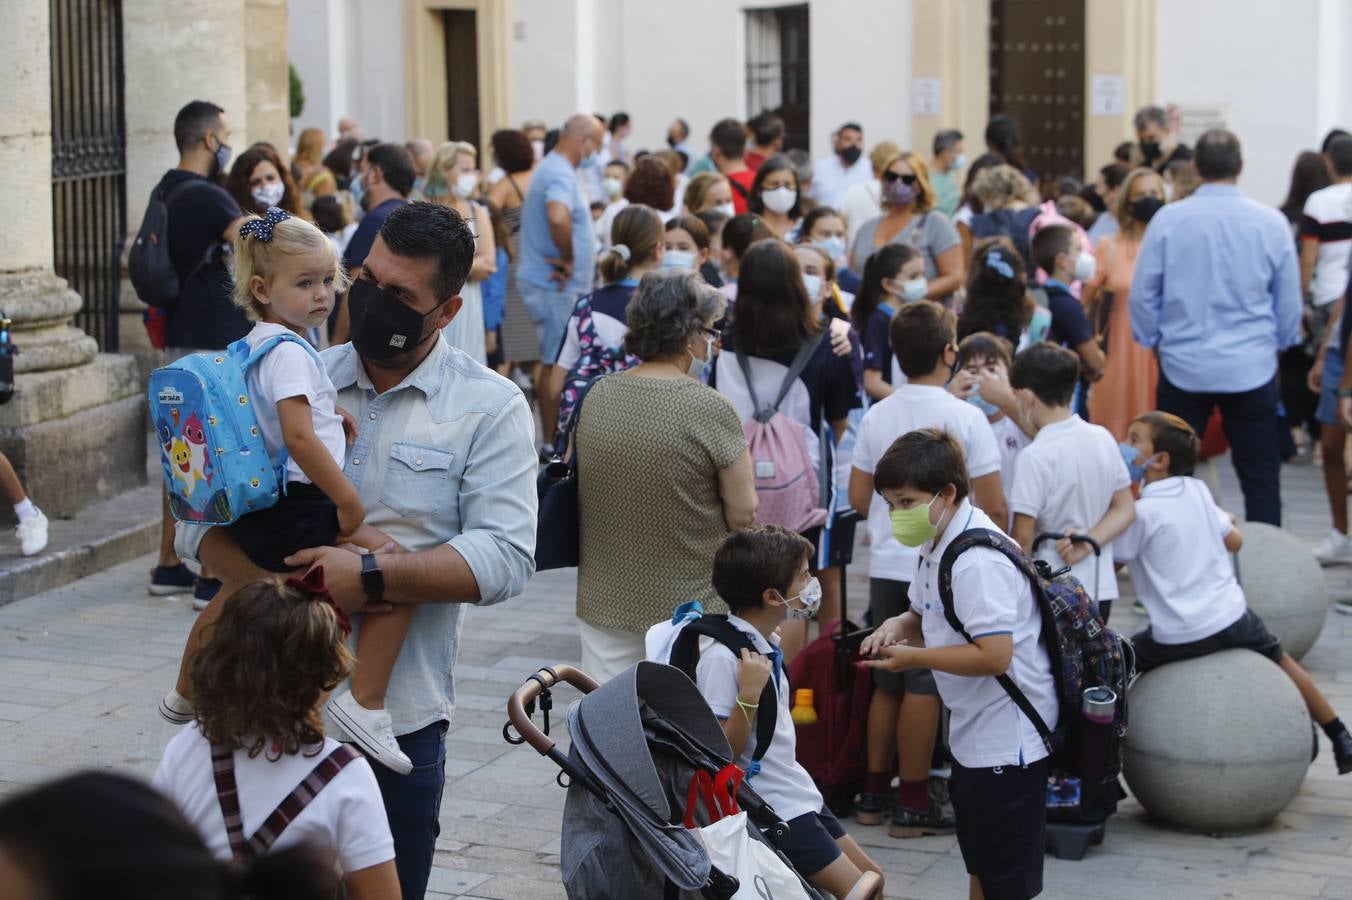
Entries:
{"x":558,"y":249}
{"x":1217,"y":295}
{"x":444,"y":463}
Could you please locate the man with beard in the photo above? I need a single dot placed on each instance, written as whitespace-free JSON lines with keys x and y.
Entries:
{"x":444,"y":462}
{"x":833,"y":175}
{"x":1159,"y":144}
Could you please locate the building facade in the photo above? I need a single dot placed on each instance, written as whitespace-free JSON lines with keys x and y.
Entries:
{"x":1071,"y":71}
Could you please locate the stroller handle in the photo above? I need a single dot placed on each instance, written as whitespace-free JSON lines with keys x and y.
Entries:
{"x":533,"y":686}
{"x":1074,"y":539}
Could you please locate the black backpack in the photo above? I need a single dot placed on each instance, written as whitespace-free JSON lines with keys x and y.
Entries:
{"x":151,"y":270}
{"x":685,"y":656}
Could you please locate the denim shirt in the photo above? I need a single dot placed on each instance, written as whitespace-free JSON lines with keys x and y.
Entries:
{"x":1216,"y":291}
{"x":445,"y":457}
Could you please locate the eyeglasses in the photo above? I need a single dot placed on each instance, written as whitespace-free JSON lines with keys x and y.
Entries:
{"x":908,"y":178}
{"x":712,"y":332}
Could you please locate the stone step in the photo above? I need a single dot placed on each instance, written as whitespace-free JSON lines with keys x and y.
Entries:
{"x":104,"y":534}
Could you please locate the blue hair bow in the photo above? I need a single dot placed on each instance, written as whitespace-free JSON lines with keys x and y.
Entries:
{"x":997,"y":263}
{"x":262,"y":228}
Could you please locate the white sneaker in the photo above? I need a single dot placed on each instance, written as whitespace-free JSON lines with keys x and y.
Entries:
{"x":32,"y":534}
{"x":176,"y":709}
{"x":371,"y":730}
{"x":1336,"y":547}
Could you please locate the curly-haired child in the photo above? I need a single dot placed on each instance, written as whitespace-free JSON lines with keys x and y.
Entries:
{"x":258,"y":683}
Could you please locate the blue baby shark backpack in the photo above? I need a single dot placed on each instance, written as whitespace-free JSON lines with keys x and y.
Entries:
{"x":216,"y":466}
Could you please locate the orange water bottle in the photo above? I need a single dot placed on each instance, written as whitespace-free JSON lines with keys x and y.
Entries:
{"x":803,"y":712}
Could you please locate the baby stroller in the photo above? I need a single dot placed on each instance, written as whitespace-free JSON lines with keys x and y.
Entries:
{"x":637,"y":743}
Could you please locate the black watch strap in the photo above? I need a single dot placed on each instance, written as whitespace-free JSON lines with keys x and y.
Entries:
{"x":372,"y":579}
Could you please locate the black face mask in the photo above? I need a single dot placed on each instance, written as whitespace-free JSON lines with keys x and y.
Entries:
{"x":1150,"y":149}
{"x":850,"y":154}
{"x":1143,"y":209}
{"x":383,"y":328}
{"x":672,"y":142}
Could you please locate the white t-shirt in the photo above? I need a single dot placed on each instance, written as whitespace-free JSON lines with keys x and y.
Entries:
{"x":910,"y":407}
{"x":860,"y":204}
{"x":831,"y":178}
{"x":1010,"y":439}
{"x":348,"y":815}
{"x":1175,"y":552}
{"x":990,"y":596}
{"x":289,"y":370}
{"x":1327,"y":218}
{"x":782,"y":781}
{"x":1065,"y":479}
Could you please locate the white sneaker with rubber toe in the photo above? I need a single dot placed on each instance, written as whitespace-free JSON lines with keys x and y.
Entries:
{"x":371,"y":730}
{"x":1336,"y":547}
{"x":32,"y":534}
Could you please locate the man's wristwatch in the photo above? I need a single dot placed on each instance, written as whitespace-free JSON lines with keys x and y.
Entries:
{"x":372,"y":579}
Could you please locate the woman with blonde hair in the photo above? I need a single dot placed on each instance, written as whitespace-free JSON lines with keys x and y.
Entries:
{"x":909,"y":217}
{"x":706,"y":191}
{"x":453,"y":180}
{"x":313,"y":177}
{"x":1008,"y":208}
{"x":1127,"y":387}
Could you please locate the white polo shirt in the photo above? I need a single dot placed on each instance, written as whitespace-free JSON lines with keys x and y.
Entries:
{"x":782,"y":781}
{"x":990,"y":596}
{"x":910,"y":407}
{"x":1175,"y":552}
{"x":1065,"y":479}
{"x":1010,"y":440}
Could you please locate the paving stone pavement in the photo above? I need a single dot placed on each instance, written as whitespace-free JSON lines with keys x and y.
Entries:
{"x":81,"y":668}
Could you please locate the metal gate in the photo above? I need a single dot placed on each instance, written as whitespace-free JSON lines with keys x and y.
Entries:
{"x":89,"y":213}
{"x":778,"y":76}
{"x":1037,"y":77}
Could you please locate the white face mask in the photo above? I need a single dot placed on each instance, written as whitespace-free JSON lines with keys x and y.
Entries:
{"x":465,"y":185}
{"x":835,"y":246}
{"x":959,"y":161}
{"x":813,"y":285}
{"x":726,"y":209}
{"x":780,"y":200}
{"x":678,"y":259}
{"x":1085,"y":266}
{"x":811,"y":598}
{"x":613,"y":187}
{"x":269,"y":193}
{"x":914,"y":289}
{"x":539,"y":148}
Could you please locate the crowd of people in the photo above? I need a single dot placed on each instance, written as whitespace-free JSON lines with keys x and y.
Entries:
{"x":747,"y":352}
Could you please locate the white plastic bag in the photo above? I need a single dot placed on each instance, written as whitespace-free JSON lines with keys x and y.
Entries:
{"x":760,"y":872}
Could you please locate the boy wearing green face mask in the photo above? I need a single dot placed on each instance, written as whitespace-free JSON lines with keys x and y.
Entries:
{"x":1000,"y":763}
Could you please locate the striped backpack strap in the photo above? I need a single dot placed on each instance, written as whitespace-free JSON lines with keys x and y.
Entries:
{"x":325,"y":771}
{"x":223,"y":772}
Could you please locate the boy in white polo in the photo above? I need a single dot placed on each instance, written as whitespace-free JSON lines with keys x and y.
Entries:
{"x":1177,"y":552}
{"x":904,"y":712}
{"x":1000,"y":764}
{"x":762,"y":575}
{"x":1070,"y":479}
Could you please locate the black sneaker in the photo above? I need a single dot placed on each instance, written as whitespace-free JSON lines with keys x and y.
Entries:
{"x":204,"y":591}
{"x":909,"y":823}
{"x":1342,"y":751}
{"x":166,"y":580}
{"x":869,"y":808}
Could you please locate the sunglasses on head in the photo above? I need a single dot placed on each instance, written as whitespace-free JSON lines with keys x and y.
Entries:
{"x":908,"y":178}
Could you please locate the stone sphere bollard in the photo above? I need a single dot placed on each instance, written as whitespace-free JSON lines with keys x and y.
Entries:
{"x":1284,"y":584}
{"x":1217,"y":744}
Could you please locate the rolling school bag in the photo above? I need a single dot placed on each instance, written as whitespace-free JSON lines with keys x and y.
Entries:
{"x":216,"y":465}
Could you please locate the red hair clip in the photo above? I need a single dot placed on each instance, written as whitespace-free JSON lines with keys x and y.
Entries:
{"x":312,"y":585}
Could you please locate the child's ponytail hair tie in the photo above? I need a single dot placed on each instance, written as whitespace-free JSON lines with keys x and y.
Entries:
{"x":261,"y":228}
{"x":312,"y":584}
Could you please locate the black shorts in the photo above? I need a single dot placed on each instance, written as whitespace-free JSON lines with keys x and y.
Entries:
{"x":1248,"y":633}
{"x":1002,"y":817}
{"x":887,"y":598}
{"x":303,"y":517}
{"x":811,"y":845}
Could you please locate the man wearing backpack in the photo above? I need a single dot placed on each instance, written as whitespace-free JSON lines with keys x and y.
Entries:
{"x":197,"y":218}
{"x":1000,"y":769}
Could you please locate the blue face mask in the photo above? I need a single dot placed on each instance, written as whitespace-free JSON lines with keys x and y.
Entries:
{"x":834,"y":246}
{"x":981,"y":403}
{"x":1132,"y":457}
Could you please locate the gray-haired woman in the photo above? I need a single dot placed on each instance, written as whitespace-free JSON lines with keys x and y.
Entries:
{"x":664,"y":474}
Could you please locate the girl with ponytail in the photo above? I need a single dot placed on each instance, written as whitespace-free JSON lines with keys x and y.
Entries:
{"x":258,"y":684}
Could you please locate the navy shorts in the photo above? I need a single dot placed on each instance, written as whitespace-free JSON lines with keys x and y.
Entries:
{"x":811,"y":845}
{"x":1002,"y":817}
{"x":303,"y":517}
{"x":1248,"y":633}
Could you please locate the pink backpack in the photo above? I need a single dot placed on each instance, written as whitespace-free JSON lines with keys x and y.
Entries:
{"x":787,"y":484}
